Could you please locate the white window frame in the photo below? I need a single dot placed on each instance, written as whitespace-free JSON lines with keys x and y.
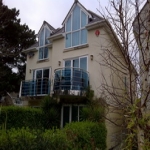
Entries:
{"x":34,"y":76}
{"x":81,"y":28}
{"x":44,"y":45}
{"x":79,"y":57}
{"x":70,"y":112}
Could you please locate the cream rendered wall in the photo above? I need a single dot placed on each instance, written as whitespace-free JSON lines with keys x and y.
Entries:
{"x":96,"y":71}
{"x":59,"y":53}
{"x":34,"y":63}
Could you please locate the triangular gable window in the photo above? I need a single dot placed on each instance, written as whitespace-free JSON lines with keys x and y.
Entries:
{"x":76,"y":33}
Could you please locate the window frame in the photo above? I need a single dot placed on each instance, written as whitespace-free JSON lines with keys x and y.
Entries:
{"x":35,"y":76}
{"x":70,"y":112}
{"x":44,"y":44}
{"x":78,"y":30}
{"x":79,"y":57}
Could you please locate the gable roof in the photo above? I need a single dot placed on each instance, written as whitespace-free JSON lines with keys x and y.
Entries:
{"x":48,"y":25}
{"x":75,"y":2}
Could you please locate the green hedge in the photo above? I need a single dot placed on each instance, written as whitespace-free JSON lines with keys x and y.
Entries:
{"x":18,"y":117}
{"x":75,"y":136}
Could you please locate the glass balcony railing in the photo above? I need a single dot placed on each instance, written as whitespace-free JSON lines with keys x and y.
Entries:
{"x":35,"y":87}
{"x":71,"y":79}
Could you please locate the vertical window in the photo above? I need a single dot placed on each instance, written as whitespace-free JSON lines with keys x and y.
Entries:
{"x":43,"y":41}
{"x":42,"y":84}
{"x":76,"y":34}
{"x":71,"y":113}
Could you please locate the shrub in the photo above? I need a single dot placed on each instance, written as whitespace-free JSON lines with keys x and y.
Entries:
{"x":75,"y":136}
{"x":92,"y":113}
{"x":86,"y":135}
{"x":18,"y":117}
{"x":51,"y":112}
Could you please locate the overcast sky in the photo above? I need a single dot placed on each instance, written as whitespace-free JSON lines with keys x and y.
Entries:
{"x":34,"y":12}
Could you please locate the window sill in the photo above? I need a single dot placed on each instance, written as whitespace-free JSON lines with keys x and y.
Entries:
{"x":43,"y":60}
{"x":76,"y":47}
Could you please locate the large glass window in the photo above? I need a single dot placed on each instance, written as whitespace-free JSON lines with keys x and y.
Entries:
{"x":42,"y":85}
{"x":76,"y":71}
{"x":43,"y":41}
{"x":76,"y":34}
{"x":71,"y":113}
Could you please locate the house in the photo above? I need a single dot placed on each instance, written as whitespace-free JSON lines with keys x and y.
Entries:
{"x":69,"y":59}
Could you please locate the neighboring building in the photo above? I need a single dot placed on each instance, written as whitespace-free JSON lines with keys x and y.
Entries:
{"x":141,"y":29}
{"x":67,"y":60}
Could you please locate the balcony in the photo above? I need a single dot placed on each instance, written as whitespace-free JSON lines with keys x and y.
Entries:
{"x":70,"y":81}
{"x":38,"y":87}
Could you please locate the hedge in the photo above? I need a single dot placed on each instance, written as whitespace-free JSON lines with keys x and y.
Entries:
{"x":75,"y":136}
{"x":18,"y":117}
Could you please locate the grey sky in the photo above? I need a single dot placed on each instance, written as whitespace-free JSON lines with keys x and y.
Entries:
{"x":34,"y":12}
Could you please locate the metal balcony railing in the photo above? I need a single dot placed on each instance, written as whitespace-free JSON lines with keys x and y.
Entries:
{"x":71,"y":79}
{"x":36,"y":87}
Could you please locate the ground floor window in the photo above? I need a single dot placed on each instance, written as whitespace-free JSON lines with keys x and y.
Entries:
{"x":70,"y":113}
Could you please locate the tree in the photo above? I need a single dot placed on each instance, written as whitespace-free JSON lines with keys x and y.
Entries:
{"x":14,"y":37}
{"x":131,"y":100}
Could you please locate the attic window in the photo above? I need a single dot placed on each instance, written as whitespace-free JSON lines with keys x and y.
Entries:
{"x":76,"y":34}
{"x":43,"y":41}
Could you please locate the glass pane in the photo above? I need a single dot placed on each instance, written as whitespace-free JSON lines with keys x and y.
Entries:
{"x":38,"y":74}
{"x":83,"y":36}
{"x":80,"y":112}
{"x":66,"y":110}
{"x":68,"y":63}
{"x":85,"y":81}
{"x":57,"y":82}
{"x":46,"y":73}
{"x":75,"y":38}
{"x":74,"y":113}
{"x":47,"y":34}
{"x":41,"y":38}
{"x":83,"y":63}
{"x":76,"y":63}
{"x":76,"y":18}
{"x":41,"y":53}
{"x":45,"y":52}
{"x":39,"y":81}
{"x":83,"y":19}
{"x":68,"y":40}
{"x":68,"y":25}
{"x":76,"y":79}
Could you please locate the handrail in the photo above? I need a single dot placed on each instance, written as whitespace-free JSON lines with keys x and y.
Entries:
{"x":71,"y":68}
{"x":71,"y":78}
{"x":39,"y":86}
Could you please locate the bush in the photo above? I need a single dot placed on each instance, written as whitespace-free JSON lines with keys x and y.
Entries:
{"x":92,"y":113}
{"x":75,"y":136}
{"x":18,"y":117}
{"x":51,"y":112}
{"x":86,"y":135}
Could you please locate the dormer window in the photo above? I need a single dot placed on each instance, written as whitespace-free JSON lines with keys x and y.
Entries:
{"x":76,"y":33}
{"x":43,"y":41}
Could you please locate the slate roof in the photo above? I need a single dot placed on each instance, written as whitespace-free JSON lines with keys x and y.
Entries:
{"x":94,"y":18}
